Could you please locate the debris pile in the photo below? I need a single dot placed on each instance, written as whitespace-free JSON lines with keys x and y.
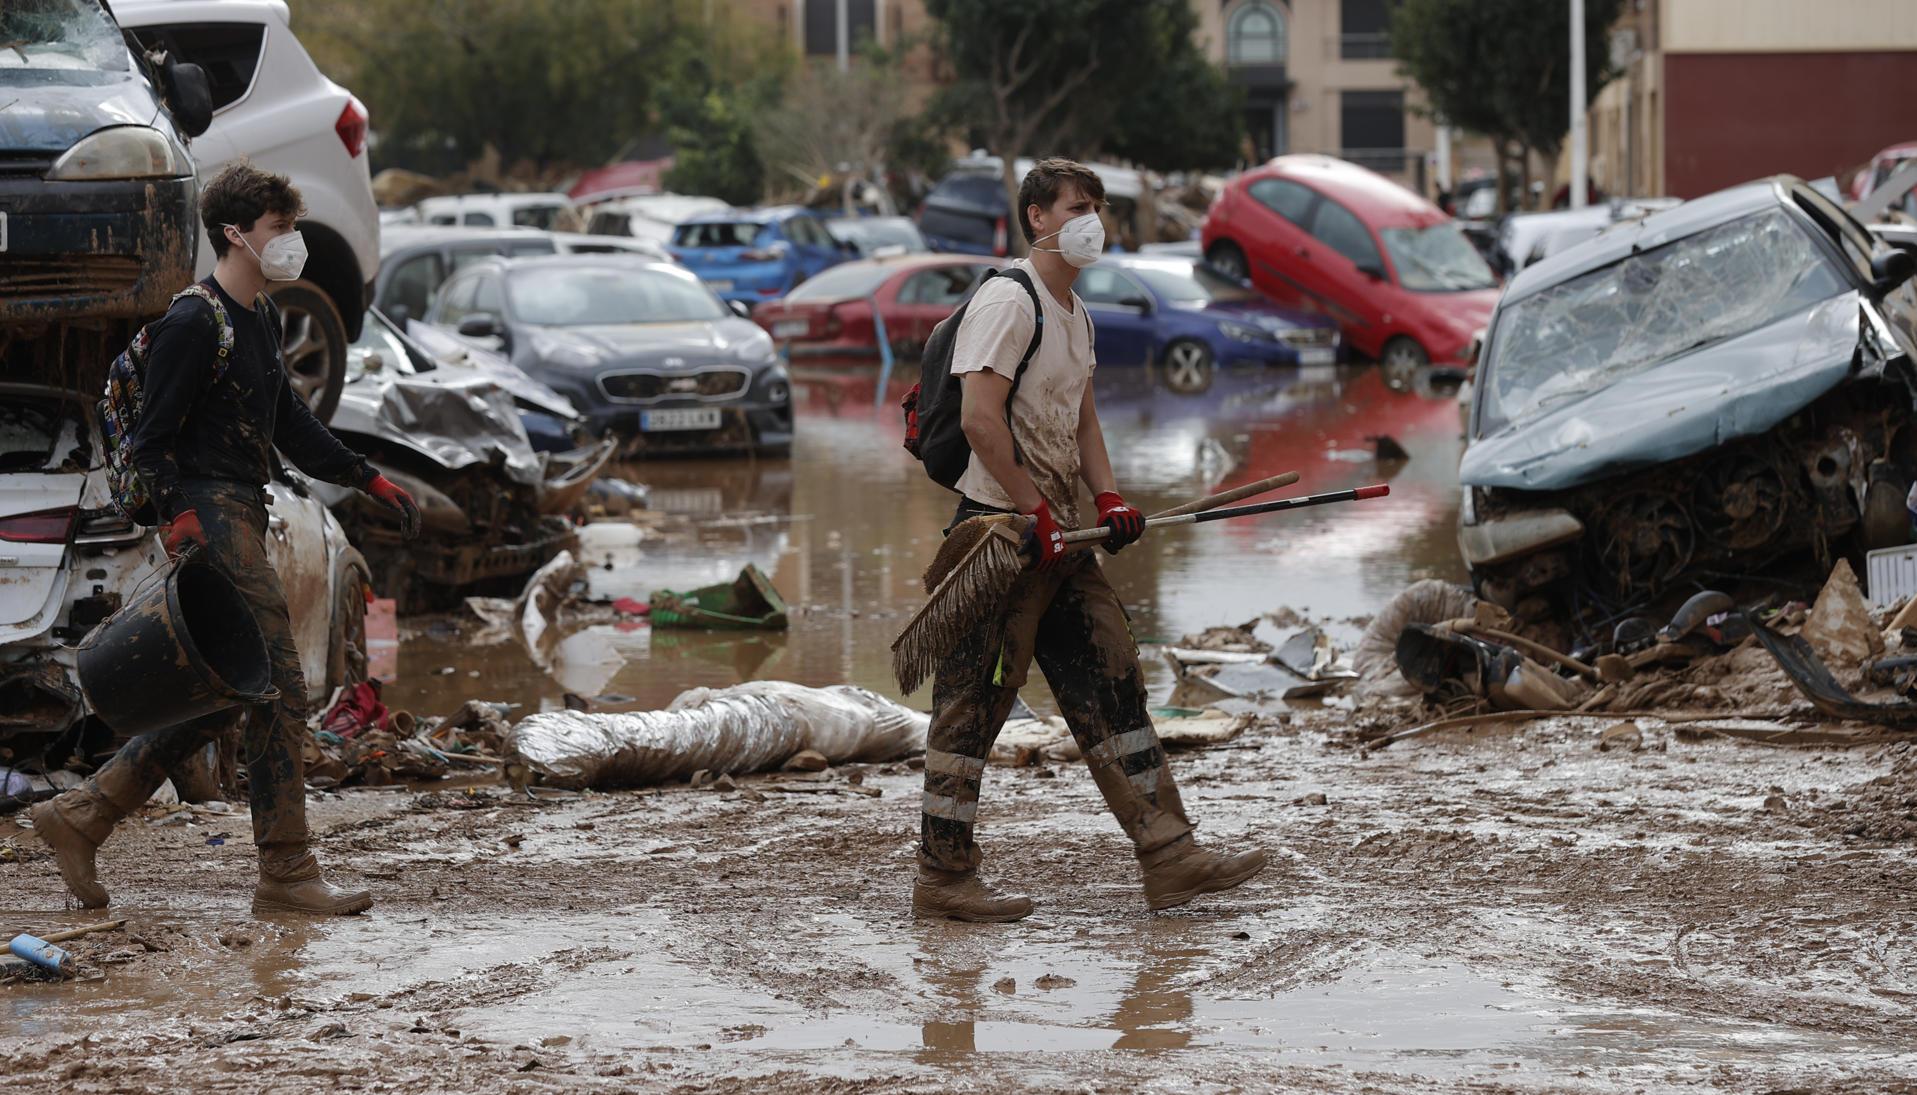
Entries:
{"x":359,"y":742}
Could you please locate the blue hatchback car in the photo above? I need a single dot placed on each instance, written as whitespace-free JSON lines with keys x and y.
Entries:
{"x":1187,"y":319}
{"x":757,"y":255}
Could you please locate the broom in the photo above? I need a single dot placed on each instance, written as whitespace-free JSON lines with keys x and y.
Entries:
{"x":983,"y":572}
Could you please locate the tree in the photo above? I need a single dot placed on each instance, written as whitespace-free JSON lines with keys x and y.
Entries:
{"x":1083,"y":77}
{"x":852,"y":123}
{"x":1502,"y":67}
{"x":713,"y":149}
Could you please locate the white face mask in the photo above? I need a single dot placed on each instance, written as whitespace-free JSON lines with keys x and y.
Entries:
{"x":283,"y":257}
{"x":1080,"y":241}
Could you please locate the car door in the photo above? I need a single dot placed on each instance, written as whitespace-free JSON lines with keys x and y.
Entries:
{"x":410,"y":287}
{"x":813,"y":244}
{"x":926,"y":297}
{"x":1278,"y":239}
{"x":1345,"y":270}
{"x":1122,"y":316}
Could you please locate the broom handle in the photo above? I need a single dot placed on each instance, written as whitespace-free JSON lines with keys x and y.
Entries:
{"x":1226,"y":498}
{"x":1355,"y":494}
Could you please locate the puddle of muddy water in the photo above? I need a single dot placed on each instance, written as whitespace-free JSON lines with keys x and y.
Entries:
{"x":845,"y":526}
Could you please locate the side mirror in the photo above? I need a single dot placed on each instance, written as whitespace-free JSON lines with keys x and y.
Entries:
{"x":1372,"y":270}
{"x":740,"y":308}
{"x":190,"y":96}
{"x":1141,"y":304}
{"x":479,"y":325}
{"x":1892,"y":268}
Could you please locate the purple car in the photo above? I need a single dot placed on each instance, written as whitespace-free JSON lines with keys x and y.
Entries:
{"x":1187,"y":319}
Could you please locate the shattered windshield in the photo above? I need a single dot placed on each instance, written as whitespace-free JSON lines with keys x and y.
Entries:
{"x":60,"y":42}
{"x":550,"y":297}
{"x":1588,"y":333}
{"x":30,"y":431}
{"x":1436,"y":259}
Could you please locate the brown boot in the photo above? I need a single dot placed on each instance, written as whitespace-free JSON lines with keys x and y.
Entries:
{"x":292,"y":884}
{"x":74,"y":825}
{"x":960,"y":895}
{"x":1179,"y":872}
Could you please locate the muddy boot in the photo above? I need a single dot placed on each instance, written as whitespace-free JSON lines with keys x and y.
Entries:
{"x":292,"y":884}
{"x":1181,"y":871}
{"x":76,"y":823}
{"x":960,"y":895}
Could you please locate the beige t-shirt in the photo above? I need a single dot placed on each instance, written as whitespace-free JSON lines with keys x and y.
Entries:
{"x":996,"y":330}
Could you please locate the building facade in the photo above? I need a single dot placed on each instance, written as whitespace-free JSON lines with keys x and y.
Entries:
{"x":1717,"y":92}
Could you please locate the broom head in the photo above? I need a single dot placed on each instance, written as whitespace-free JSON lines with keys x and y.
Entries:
{"x":964,"y":586}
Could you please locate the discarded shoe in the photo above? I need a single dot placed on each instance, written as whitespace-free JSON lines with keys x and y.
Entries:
{"x":1176,"y":874}
{"x":313,"y":896}
{"x":961,"y":895}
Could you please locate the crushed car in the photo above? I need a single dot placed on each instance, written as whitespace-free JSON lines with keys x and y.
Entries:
{"x":1707,"y":392}
{"x":450,"y":431}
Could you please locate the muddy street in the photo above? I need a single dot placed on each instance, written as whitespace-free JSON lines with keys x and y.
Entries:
{"x":1506,"y":909}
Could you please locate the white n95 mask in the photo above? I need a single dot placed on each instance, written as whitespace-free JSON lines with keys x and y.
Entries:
{"x":1080,"y":241}
{"x":282,"y":259}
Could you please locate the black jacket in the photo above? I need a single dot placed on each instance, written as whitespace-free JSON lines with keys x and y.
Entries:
{"x":193,"y":428}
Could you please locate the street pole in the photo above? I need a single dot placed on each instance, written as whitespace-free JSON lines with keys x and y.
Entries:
{"x":1443,"y":153}
{"x":845,"y":35}
{"x":1580,"y":136}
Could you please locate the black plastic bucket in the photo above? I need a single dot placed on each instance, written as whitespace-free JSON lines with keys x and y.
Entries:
{"x":181,"y":648}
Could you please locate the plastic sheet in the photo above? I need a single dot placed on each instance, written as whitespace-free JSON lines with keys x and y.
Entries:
{"x":746,"y":728}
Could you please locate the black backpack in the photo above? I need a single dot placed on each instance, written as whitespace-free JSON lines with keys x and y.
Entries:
{"x":934,"y":434}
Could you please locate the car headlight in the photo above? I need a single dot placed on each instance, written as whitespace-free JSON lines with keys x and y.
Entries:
{"x":1238,"y":332}
{"x":775,"y":385}
{"x":122,"y":152}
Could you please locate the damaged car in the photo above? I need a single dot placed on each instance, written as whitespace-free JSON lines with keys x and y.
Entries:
{"x":1708,"y":392}
{"x":453,"y":434}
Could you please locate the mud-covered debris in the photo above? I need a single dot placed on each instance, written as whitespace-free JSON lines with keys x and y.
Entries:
{"x":1316,"y":798}
{"x":1005,"y":985}
{"x":1375,"y":657}
{"x":1840,"y":627}
{"x":806,"y":760}
{"x":1621,"y":736}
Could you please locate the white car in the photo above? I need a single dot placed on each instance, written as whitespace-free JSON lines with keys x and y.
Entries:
{"x":549,"y":211}
{"x":273,"y":106}
{"x":650,"y":216}
{"x":68,"y":560}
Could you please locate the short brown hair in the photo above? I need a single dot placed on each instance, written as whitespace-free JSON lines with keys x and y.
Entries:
{"x":242,"y":194}
{"x":1042,"y":184}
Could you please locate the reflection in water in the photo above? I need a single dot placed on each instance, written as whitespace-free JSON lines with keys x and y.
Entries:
{"x":845,"y":527}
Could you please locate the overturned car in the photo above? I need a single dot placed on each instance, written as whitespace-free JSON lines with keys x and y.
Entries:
{"x":453,"y":433}
{"x":1702,"y":394}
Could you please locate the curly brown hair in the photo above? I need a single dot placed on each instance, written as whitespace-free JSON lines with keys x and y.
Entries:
{"x":1043,"y":182}
{"x":242,"y":194}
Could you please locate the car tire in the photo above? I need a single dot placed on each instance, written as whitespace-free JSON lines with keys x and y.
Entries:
{"x":346,"y":656}
{"x":1400,"y":361}
{"x":1886,"y":523}
{"x":312,"y":344}
{"x":1187,"y":366}
{"x":1229,"y":258}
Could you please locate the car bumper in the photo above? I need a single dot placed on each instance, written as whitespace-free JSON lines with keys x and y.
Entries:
{"x":748,"y":284}
{"x":114,"y":249}
{"x":1230,"y":352}
{"x":743,"y":426}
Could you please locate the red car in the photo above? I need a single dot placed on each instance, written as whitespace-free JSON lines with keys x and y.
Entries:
{"x":830,"y":314}
{"x":1325,"y":235}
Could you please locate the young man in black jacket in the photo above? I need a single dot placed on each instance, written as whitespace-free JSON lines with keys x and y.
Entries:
{"x":217,"y":403}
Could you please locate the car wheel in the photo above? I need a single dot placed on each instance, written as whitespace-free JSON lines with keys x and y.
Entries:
{"x":1400,"y":362}
{"x":1187,"y":366}
{"x":346,"y":659}
{"x":1228,"y":258}
{"x":312,"y":344}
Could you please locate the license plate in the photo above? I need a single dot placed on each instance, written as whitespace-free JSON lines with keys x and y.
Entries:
{"x":698,"y":418}
{"x":1317,"y":355}
{"x":790,"y":328}
{"x":720,"y":286}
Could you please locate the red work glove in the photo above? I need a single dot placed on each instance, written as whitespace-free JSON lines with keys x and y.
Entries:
{"x":1044,"y":539}
{"x":388,"y":492}
{"x":1126,"y":523}
{"x":184,"y":530}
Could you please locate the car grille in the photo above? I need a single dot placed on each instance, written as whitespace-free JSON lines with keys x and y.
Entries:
{"x":68,"y":276}
{"x":24,"y":164}
{"x":721,"y":382}
{"x":1310,"y":337}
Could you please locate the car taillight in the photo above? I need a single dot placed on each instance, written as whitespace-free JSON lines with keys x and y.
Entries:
{"x":47,"y":526}
{"x":351,"y":128}
{"x":998,"y":237}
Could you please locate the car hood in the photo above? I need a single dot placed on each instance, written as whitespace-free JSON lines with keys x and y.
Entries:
{"x":665,"y":346}
{"x":1269,"y":316}
{"x":53,"y":118}
{"x":1739,"y":387}
{"x":456,"y":421}
{"x":454,"y":353}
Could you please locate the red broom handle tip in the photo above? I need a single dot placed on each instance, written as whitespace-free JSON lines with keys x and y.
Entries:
{"x":1377,"y":490}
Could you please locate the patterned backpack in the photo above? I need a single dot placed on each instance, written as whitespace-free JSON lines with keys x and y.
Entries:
{"x":126,"y":396}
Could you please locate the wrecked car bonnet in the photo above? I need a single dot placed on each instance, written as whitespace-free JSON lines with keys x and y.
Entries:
{"x":456,"y":421}
{"x":1735,"y":388}
{"x":53,"y":119}
{"x":449,"y":352}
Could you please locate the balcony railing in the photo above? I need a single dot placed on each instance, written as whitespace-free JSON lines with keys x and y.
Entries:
{"x":1364,"y":47}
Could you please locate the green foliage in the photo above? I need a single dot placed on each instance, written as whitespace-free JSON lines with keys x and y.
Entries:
{"x":548,"y":82}
{"x":715,"y":153}
{"x":1502,"y":67}
{"x":1087,"y":77}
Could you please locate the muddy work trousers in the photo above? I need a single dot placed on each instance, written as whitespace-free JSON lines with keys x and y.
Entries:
{"x":233,"y":516}
{"x":1071,"y":622}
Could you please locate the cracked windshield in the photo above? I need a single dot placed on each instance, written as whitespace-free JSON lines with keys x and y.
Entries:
{"x":767,"y":547}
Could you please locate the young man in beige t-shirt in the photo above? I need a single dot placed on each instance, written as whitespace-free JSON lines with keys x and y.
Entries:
{"x":1062,"y":613}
